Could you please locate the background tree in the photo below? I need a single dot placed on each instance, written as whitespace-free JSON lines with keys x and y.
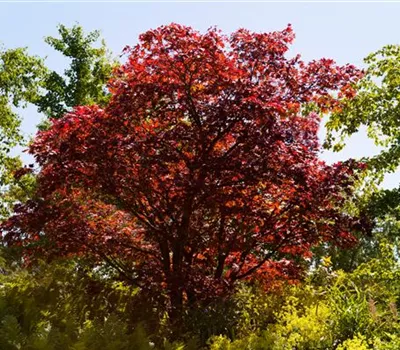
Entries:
{"x":375,"y":106}
{"x":84,"y":81}
{"x":20,"y":79}
{"x":25,"y":79}
{"x":203,"y":169}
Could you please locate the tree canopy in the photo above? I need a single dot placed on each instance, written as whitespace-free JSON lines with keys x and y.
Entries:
{"x":83,"y":82}
{"x":202,"y":170}
{"x":20,"y":80}
{"x":375,"y":106}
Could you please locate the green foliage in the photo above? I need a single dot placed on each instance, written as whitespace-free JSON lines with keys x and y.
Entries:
{"x":72,"y":305}
{"x":357,"y":310}
{"x":24,"y":79}
{"x":83,"y":82}
{"x":356,"y":343}
{"x":301,"y":328}
{"x":300,"y":320}
{"x":375,"y":106}
{"x":20,"y":81}
{"x":61,"y":306}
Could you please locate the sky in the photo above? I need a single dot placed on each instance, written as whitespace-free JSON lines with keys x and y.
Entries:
{"x":345,"y":32}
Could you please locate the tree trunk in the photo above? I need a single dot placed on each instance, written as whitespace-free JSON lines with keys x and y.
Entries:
{"x":175,"y":312}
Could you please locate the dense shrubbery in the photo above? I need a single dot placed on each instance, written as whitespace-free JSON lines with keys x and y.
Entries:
{"x":349,"y":311}
{"x":57,"y":306}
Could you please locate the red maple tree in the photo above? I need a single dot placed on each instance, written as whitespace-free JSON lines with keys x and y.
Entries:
{"x":203,"y":169}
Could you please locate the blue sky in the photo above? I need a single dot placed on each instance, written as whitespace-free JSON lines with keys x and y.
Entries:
{"x":346,"y":32}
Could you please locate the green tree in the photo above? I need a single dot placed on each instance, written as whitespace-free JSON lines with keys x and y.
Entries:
{"x":376,"y":106}
{"x":84,"y":81}
{"x":20,"y":81}
{"x":25,"y":79}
